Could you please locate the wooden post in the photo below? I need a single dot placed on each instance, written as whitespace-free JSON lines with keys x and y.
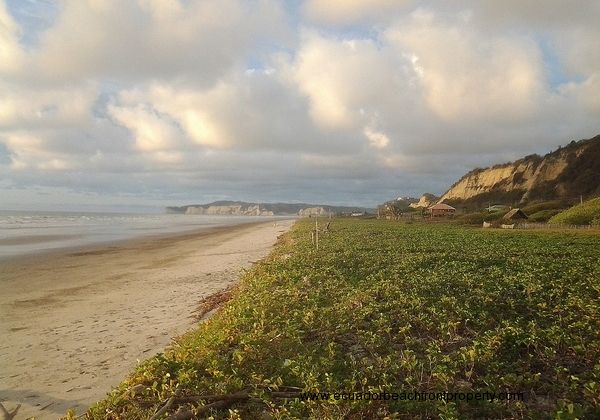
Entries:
{"x":317,"y":231}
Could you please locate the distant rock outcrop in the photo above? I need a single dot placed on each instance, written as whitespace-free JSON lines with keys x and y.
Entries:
{"x":232,"y":210}
{"x":426,"y":201}
{"x":242,"y":208}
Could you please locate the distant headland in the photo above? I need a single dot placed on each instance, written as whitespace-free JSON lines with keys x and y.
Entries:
{"x":242,"y":208}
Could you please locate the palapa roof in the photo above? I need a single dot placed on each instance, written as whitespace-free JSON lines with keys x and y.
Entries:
{"x":515,"y":214}
{"x":441,"y":206}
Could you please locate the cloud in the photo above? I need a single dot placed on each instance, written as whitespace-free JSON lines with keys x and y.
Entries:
{"x":22,"y":106}
{"x":155,"y":136}
{"x":342,"y":12}
{"x":191,"y":100}
{"x":466,"y":77}
{"x":353,"y":85}
{"x":377,"y":139}
{"x":11,"y":55}
{"x":152,"y":38}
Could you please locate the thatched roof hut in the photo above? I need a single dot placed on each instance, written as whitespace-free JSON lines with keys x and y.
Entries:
{"x":515,"y":214}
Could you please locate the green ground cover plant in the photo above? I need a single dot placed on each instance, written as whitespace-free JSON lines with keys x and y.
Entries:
{"x":581,"y":214}
{"x":388,"y":306}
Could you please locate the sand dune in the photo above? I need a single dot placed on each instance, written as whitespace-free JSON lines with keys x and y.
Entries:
{"x":74,"y":324}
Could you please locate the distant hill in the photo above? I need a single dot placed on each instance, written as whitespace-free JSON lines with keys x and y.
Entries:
{"x":256,"y":209}
{"x":566,"y":173}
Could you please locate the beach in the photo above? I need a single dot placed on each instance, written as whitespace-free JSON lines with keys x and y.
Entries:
{"x":75,"y":322}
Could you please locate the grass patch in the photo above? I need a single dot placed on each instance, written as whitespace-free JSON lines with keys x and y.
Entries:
{"x":386,"y":306}
{"x":546,"y":205}
{"x":581,"y":214}
{"x":543,"y":216}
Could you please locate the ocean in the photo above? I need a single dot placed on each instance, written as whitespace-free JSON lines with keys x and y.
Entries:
{"x":23,"y":233}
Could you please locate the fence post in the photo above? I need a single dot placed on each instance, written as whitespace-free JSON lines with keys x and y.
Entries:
{"x":317,"y":231}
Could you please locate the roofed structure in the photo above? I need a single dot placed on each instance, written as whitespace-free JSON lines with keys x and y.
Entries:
{"x":515,"y":214}
{"x":441,"y":209}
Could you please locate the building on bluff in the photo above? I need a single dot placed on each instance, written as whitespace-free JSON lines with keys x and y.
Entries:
{"x":441,"y":210}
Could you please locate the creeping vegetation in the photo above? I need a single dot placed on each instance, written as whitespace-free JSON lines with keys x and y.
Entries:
{"x":386,"y":306}
{"x":581,"y":214}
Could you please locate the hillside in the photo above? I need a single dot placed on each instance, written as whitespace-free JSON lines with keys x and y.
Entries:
{"x":565,"y":173}
{"x":243,"y":208}
{"x":582,"y":214}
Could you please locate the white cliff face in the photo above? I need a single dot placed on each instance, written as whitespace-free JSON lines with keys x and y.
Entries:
{"x":195,"y":210}
{"x":233,"y":210}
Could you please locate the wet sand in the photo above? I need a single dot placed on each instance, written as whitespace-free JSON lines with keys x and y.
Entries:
{"x":74,"y":323}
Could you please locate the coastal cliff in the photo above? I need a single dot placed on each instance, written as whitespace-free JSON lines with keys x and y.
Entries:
{"x":242,"y":208}
{"x":425,"y":201}
{"x":233,"y":210}
{"x":570,"y":171}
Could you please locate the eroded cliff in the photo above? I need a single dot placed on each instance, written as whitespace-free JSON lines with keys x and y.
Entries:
{"x":567,"y":172}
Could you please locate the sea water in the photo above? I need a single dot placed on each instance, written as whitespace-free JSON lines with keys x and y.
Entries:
{"x":23,"y":233}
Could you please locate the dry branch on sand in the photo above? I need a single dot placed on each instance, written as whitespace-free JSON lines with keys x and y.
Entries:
{"x":218,"y":402}
{"x":213,"y":301}
{"x":8,"y":415}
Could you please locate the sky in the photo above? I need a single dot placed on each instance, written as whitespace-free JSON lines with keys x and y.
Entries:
{"x":141,"y":104}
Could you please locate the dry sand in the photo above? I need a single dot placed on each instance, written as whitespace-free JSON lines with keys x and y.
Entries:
{"x":73,"y":324}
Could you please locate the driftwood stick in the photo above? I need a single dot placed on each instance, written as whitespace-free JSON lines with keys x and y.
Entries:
{"x":3,"y":413}
{"x":182,"y":415}
{"x":283,"y":394}
{"x":238,"y":396}
{"x":164,"y":408}
{"x":190,"y":414}
{"x":6,"y":415}
{"x":271,"y":388}
{"x":219,"y":401}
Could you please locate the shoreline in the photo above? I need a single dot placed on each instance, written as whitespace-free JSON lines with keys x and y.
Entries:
{"x":75,"y":321}
{"x":86,"y":240}
{"x":100,"y":246}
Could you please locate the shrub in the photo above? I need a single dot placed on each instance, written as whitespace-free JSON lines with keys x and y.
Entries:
{"x":471,"y":219}
{"x":494,"y":216}
{"x":545,"y":205}
{"x":543,"y":215}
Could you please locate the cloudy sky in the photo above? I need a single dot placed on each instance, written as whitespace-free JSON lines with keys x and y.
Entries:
{"x":135,"y":104}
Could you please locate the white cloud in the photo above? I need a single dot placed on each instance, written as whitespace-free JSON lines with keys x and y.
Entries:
{"x":153,"y":134}
{"x":23,"y":106}
{"x":11,"y":55}
{"x":340,"y":12}
{"x":152,"y":38}
{"x":466,"y":77}
{"x":29,"y":152}
{"x":188,"y":99}
{"x":348,"y":80}
{"x":377,"y":139}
